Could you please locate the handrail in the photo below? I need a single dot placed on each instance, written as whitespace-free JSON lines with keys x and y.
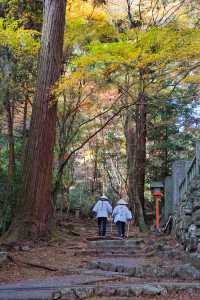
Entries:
{"x":192,"y":171}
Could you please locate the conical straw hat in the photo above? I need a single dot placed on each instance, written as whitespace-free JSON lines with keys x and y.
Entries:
{"x":122,"y":202}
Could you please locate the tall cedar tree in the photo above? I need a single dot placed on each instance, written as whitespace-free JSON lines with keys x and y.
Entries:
{"x":34,"y":208}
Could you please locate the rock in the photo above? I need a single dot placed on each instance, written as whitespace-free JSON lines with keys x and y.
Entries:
{"x":195,"y":260}
{"x":109,"y":291}
{"x":196,"y":204}
{"x":136,"y":290}
{"x":188,"y":211}
{"x":133,"y":242}
{"x":105,"y":266}
{"x":120,"y":269}
{"x":139,"y":271}
{"x":187,"y":220}
{"x":186,"y":271}
{"x":196,"y":216}
{"x":93,"y":265}
{"x":171,"y":253}
{"x":161,"y":272}
{"x":25,"y":248}
{"x":3,"y":258}
{"x":191,"y":238}
{"x":123,"y":292}
{"x":66,"y":293}
{"x":132,"y":271}
{"x":56,"y":295}
{"x":150,"y":242}
{"x":17,"y":247}
{"x":164,"y":291}
{"x":105,"y":291}
{"x":196,"y":193}
{"x":160,"y":247}
{"x":198,"y":232}
{"x":152,"y":290}
{"x":197,"y":223}
{"x":82,"y":293}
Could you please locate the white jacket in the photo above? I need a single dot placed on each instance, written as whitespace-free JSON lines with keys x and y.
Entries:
{"x":121,"y":213}
{"x":102,"y":209}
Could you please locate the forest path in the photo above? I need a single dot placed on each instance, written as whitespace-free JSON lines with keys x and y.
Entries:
{"x":140,"y":267}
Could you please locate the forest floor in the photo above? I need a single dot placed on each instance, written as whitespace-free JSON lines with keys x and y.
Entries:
{"x":76,"y":258}
{"x":50,"y":258}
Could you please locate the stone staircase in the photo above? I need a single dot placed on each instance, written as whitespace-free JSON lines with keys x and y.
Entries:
{"x":116,"y":247}
{"x":127,"y":291}
{"x":142,"y":267}
{"x":139,"y":267}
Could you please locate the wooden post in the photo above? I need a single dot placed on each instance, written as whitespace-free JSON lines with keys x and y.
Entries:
{"x":157,"y":195}
{"x":157,"y":213}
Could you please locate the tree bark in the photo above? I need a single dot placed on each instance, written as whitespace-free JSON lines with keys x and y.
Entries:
{"x":24,"y":130}
{"x":11,"y":141}
{"x":25,"y":118}
{"x":95,"y":170}
{"x":141,"y":146}
{"x":34,"y":208}
{"x":134,"y":176}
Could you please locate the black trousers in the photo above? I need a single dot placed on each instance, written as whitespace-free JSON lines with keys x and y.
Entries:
{"x":102,"y":226}
{"x":121,"y":228}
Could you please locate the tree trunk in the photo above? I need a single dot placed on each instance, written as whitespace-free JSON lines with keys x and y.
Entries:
{"x":25,"y":118}
{"x":165,"y":168}
{"x":34,"y":210}
{"x":130,"y":150}
{"x":11,"y":142}
{"x":95,"y":171}
{"x":133,"y":171}
{"x":141,"y":146}
{"x":24,"y":130}
{"x":135,"y":132}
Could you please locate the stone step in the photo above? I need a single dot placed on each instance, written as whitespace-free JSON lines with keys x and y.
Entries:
{"x":116,"y":243}
{"x":104,"y":274}
{"x":123,"y":290}
{"x":142,"y":268}
{"x":42,"y":289}
{"x":106,"y":252}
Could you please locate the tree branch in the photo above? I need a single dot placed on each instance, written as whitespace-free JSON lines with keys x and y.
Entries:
{"x":64,"y":163}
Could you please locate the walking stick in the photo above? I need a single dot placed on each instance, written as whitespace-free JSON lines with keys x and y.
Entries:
{"x":111,"y":225}
{"x":128,"y":229}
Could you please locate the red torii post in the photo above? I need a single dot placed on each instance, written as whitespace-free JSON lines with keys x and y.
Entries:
{"x":156,"y":188}
{"x":157,"y":196}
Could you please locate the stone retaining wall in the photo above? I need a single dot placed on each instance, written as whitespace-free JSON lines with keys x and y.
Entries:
{"x":182,"y":200}
{"x":188,"y":216}
{"x":171,"y":184}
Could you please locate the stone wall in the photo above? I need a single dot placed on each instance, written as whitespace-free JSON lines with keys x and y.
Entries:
{"x":182,"y":200}
{"x":179,"y":170}
{"x":188,"y":216}
{"x":172,"y":183}
{"x":168,"y":205}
